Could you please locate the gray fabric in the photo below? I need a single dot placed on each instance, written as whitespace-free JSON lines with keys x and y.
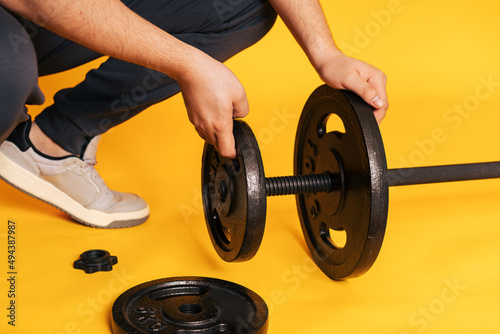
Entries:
{"x":18,"y":74}
{"x":117,"y":90}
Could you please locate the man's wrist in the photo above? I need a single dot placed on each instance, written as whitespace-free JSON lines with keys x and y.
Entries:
{"x":190,"y":63}
{"x":323,"y":57}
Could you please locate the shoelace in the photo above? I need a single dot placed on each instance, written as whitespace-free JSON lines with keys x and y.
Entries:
{"x":88,"y":167}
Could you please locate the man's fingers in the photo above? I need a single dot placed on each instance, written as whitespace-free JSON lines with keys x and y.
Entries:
{"x":379,"y":115}
{"x":379,"y":82}
{"x":240,"y":107}
{"x":224,"y":143}
{"x":372,"y":92}
{"x":368,"y":93}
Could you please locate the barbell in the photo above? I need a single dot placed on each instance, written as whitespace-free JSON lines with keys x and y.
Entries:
{"x":341,"y":184}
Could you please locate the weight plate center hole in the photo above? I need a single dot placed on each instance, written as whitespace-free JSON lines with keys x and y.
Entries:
{"x":224,"y":188}
{"x":334,"y":238}
{"x":190,"y":308}
{"x":222,"y":191}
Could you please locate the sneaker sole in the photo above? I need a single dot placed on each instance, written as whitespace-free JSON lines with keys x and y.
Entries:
{"x":44,"y":191}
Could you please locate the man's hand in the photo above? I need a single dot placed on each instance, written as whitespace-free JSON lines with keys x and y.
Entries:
{"x":213,"y":97}
{"x":343,"y":72}
{"x":307,"y":22}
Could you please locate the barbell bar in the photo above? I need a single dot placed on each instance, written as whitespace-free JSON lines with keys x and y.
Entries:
{"x":303,"y":184}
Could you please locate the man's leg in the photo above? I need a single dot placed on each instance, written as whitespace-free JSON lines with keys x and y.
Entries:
{"x":70,"y":183}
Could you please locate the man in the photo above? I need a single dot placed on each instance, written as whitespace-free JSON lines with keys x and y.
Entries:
{"x":163,"y":46}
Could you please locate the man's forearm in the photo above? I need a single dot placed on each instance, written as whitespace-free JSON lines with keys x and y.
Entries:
{"x":110,"y":28}
{"x":306,"y":21}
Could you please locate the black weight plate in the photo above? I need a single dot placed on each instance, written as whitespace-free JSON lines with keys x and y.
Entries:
{"x":359,"y":207}
{"x":234,"y":197}
{"x":183,"y":305}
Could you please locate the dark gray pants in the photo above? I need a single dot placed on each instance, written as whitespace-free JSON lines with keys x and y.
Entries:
{"x":117,"y":90}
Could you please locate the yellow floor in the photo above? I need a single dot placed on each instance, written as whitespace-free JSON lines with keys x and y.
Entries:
{"x":439,"y":267}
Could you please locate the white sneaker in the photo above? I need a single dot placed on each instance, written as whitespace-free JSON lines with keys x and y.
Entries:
{"x":70,"y":183}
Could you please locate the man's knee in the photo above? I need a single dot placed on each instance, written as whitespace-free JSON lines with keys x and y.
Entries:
{"x":238,"y":11}
{"x":263,"y":21}
{"x":19,"y":73}
{"x":18,"y":63}
{"x":246,"y":14}
{"x":18,"y":87}
{"x":250,"y":21}
{"x":14,"y":40}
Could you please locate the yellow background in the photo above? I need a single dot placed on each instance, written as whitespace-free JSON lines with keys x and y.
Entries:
{"x":439,"y":267}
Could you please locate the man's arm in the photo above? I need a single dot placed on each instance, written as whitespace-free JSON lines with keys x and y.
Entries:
{"x":110,"y":28}
{"x":306,"y":20}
